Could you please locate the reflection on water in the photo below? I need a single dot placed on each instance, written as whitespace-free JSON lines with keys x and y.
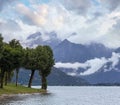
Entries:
{"x":26,"y":99}
{"x":68,"y":96}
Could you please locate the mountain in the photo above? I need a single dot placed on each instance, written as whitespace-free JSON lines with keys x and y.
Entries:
{"x":57,"y":77}
{"x":60,"y":78}
{"x":39,"y":38}
{"x":110,"y":77}
{"x":77,"y":52}
{"x":98,"y":63}
{"x":117,"y":50}
{"x":67,"y":51}
{"x":108,"y":73}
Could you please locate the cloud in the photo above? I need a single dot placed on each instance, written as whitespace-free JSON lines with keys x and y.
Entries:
{"x":75,"y":65}
{"x":78,"y":6}
{"x":111,"y":4}
{"x":114,"y":59}
{"x":5,"y":3}
{"x":95,"y":65}
{"x":10,"y":25}
{"x":109,"y":30}
{"x":2,"y":3}
{"x":9,"y":29}
{"x":90,"y":20}
{"x":96,"y":16}
{"x":32,"y":17}
{"x":90,"y":66}
{"x":48,"y":17}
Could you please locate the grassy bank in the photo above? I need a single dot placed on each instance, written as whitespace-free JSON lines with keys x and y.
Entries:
{"x":12,"y":89}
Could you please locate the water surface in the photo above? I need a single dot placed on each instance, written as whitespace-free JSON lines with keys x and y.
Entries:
{"x":61,"y":95}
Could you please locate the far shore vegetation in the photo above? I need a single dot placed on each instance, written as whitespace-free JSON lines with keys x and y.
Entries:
{"x":13,"y":56}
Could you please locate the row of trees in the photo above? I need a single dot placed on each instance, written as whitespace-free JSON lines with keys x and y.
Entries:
{"x":13,"y":56}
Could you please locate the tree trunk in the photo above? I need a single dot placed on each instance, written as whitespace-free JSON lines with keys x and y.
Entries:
{"x":6,"y":78}
{"x":44,"y":82}
{"x":9,"y":76}
{"x":2,"y":78}
{"x":17,"y":71}
{"x":31,"y":78}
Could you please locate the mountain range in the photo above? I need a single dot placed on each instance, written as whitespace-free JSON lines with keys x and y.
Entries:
{"x":93,"y":62}
{"x":57,"y":78}
{"x":67,"y":51}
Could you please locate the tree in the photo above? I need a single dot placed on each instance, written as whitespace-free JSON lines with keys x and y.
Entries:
{"x":17,"y":56}
{"x":30,"y":63}
{"x":5,"y":61}
{"x":1,"y":49}
{"x":45,"y":61}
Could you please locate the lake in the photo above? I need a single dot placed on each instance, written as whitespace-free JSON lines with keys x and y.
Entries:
{"x":68,"y":95}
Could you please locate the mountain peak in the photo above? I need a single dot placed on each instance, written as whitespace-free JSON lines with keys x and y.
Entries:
{"x":32,"y":36}
{"x":66,"y":41}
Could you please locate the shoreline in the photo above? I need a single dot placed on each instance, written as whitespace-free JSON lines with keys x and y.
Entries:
{"x":6,"y":96}
{"x":11,"y":90}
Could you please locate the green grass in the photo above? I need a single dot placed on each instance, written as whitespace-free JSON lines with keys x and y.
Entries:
{"x":12,"y":89}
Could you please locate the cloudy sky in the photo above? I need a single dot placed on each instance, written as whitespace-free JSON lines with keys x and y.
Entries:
{"x":80,"y":21}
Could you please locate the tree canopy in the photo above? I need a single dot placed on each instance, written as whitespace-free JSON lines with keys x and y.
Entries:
{"x":13,"y":56}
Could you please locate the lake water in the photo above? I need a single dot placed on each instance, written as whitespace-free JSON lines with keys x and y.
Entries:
{"x":61,"y":95}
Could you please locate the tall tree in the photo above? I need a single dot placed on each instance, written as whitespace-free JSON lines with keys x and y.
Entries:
{"x":1,"y":50}
{"x":5,"y":61}
{"x":45,"y":61}
{"x":17,"y":56}
{"x":30,"y":63}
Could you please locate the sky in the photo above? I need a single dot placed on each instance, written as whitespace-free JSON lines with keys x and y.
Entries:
{"x":79,"y":21}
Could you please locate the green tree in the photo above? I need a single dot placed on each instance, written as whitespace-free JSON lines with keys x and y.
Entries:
{"x":30,"y":63}
{"x":1,"y":71}
{"x":5,"y":62}
{"x":45,"y":61}
{"x":1,"y":46}
{"x":17,"y":56}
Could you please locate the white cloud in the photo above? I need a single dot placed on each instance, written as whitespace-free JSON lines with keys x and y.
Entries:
{"x":111,"y":4}
{"x":75,"y":65}
{"x":79,"y":6}
{"x":90,"y":21}
{"x":115,"y":59}
{"x":32,"y":17}
{"x":90,"y":66}
{"x":95,"y":65}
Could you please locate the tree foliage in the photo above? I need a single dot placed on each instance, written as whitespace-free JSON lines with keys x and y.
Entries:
{"x":13,"y":56}
{"x":45,"y":61}
{"x":30,"y":63}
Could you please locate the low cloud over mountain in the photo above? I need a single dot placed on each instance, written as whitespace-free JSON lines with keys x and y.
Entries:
{"x":92,"y":66}
{"x":39,"y":38}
